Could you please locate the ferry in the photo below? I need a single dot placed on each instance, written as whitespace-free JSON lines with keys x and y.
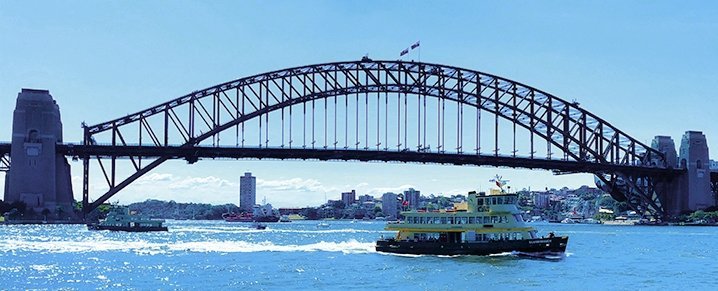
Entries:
{"x":489,"y":224}
{"x":120,"y":219}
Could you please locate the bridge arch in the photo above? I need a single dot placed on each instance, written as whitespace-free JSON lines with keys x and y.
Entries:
{"x":564,"y":126}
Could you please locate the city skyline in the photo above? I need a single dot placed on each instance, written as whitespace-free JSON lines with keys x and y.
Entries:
{"x":625,"y":71}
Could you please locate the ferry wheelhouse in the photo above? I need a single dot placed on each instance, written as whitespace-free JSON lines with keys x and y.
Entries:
{"x":489,"y":224}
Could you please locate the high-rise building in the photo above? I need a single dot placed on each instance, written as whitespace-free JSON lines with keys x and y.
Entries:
{"x":411,"y":196}
{"x":247,"y":192}
{"x":389,"y":205}
{"x":349,"y":197}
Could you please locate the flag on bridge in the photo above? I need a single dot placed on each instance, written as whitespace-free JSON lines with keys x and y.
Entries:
{"x":410,"y":48}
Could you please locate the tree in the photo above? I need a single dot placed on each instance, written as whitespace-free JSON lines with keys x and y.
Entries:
{"x":310,"y":213}
{"x":59,"y":212}
{"x":44,"y":213}
{"x":697,"y":216}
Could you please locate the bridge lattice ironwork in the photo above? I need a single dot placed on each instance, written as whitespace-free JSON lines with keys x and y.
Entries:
{"x":378,"y":110}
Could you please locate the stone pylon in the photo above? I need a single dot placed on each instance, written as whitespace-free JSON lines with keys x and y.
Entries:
{"x":38,"y":175}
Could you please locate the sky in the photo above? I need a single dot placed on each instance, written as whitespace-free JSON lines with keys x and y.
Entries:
{"x":647,"y":67}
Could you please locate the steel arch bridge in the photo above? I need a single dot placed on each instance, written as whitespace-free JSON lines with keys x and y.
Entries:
{"x":378,"y":111}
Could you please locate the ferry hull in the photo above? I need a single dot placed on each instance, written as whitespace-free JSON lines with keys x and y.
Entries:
{"x":555,"y":245}
{"x":126,"y":228}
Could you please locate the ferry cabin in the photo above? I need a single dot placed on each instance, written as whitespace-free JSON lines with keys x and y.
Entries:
{"x":486,"y":218}
{"x":120,"y":216}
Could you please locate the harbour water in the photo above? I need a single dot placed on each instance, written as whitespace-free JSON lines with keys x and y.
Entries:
{"x":288,"y":256}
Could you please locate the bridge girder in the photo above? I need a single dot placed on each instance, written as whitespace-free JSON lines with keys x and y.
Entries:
{"x":4,"y":157}
{"x":580,"y":136}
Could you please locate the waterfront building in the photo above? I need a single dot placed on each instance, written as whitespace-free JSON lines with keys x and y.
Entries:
{"x":412,"y":197}
{"x":348,"y":198}
{"x":247,"y":192}
{"x":541,"y":200}
{"x":389,"y":205}
{"x":366,"y":198}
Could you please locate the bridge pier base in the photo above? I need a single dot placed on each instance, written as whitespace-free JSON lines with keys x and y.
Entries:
{"x":39,"y":176}
{"x":692,"y":190}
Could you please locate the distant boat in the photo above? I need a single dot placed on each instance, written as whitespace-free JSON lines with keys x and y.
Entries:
{"x":257,"y":225}
{"x":323,"y":225}
{"x":120,"y":219}
{"x":568,"y":221}
{"x":265,"y":213}
{"x":284,"y":218}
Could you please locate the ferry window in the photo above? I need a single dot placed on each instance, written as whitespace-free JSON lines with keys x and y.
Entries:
{"x":463,"y":220}
{"x":500,"y":200}
{"x":451,"y":220}
{"x":494,"y":219}
{"x":493,"y":200}
{"x":472,"y":220}
{"x":486,"y":219}
{"x":480,"y":201}
{"x":443,"y":220}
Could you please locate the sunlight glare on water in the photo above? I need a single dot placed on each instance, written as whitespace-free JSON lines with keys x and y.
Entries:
{"x":221,"y":255}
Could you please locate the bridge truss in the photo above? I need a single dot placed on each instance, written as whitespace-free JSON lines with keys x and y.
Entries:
{"x":4,"y":157}
{"x":378,"y":110}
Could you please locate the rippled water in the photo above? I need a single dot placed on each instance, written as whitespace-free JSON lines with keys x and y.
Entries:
{"x":216,"y":254}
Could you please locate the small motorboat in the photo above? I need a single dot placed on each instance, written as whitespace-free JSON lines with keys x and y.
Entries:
{"x":323,"y":225}
{"x":257,"y":225}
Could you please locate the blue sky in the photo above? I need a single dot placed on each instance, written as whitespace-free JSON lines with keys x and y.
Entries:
{"x":648,"y":67}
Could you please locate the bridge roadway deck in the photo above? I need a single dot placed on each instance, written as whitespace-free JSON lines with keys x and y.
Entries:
{"x":192,"y":154}
{"x":4,"y":149}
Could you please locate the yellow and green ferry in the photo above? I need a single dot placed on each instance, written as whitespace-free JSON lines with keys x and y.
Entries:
{"x":489,"y":224}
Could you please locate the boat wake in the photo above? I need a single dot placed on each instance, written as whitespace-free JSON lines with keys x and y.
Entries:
{"x":246,"y":229}
{"x":151,"y":248}
{"x":347,"y":247}
{"x":544,"y":256}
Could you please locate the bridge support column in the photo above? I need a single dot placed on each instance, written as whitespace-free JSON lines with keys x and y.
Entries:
{"x":669,"y":188}
{"x":695,"y":187}
{"x":39,"y":176}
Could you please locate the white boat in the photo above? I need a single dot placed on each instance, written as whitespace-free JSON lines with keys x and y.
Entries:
{"x":323,"y":225}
